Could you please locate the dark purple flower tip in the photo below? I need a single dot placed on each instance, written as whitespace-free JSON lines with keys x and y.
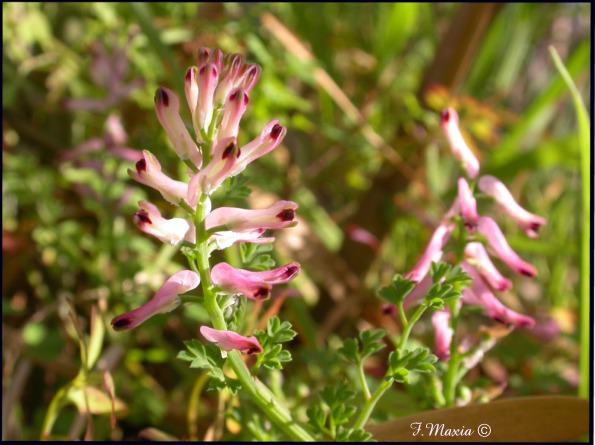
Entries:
{"x":204,"y":54}
{"x":445,"y":116}
{"x":389,"y":309}
{"x":276,"y":131}
{"x":189,"y":74}
{"x":527,"y":273}
{"x":161,"y":96}
{"x":230,"y":149}
{"x":262,"y":293}
{"x":141,"y":166}
{"x":286,"y":215}
{"x":291,"y":271}
{"x":252,"y":350}
{"x":121,"y":323}
{"x":142,"y":217}
{"x":535,"y":226}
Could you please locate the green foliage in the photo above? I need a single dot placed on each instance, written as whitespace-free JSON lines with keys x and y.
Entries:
{"x":448,"y":281}
{"x":273,"y":355}
{"x":256,"y":256}
{"x":401,"y":364}
{"x":208,"y":357}
{"x":400,"y":288}
{"x":370,"y":343}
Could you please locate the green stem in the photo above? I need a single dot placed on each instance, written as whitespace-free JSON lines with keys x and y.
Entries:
{"x":258,"y":392}
{"x":370,"y":404}
{"x":450,"y":380}
{"x":362,"y":379}
{"x":53,"y":410}
{"x":409,"y":326}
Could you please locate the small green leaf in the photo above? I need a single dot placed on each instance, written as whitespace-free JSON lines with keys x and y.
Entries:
{"x":350,"y":350}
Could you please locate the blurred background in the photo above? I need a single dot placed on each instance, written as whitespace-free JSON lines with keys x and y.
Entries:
{"x":360,"y":87}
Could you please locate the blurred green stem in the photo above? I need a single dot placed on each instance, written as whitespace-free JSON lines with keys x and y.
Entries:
{"x":450,"y":379}
{"x":584,"y":138}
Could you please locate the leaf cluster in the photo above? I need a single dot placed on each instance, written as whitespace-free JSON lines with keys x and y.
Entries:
{"x":273,"y":355}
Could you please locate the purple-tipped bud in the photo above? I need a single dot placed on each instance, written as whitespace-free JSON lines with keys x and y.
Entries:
{"x":529,"y":222}
{"x":250,"y":77}
{"x":487,"y":227}
{"x":230,"y":341}
{"x":476,"y":255}
{"x":458,"y":146}
{"x":233,"y":67}
{"x":148,"y":172}
{"x":233,"y":110}
{"x":204,"y":56}
{"x":167,"y":106}
{"x":269,"y":139}
{"x":165,"y":300}
{"x":170,"y":231}
{"x":278,"y":216}
{"x":208,"y":78}
{"x":253,"y":285}
{"x":479,"y":294}
{"x":467,"y":204}
{"x":433,"y":252}
{"x":225,"y":156}
{"x":443,"y":334}
{"x":191,"y":89}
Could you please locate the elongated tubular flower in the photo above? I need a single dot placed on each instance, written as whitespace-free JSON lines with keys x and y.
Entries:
{"x":148,"y":172}
{"x":480,"y":294}
{"x":529,"y":222}
{"x":167,"y":106}
{"x":207,"y":79}
{"x":170,"y":231}
{"x":467,"y":203}
{"x":458,"y":146}
{"x":477,"y":255}
{"x":231,"y":74}
{"x":278,"y":216}
{"x":206,"y":181}
{"x":269,"y":139}
{"x":230,"y":341}
{"x":442,"y":334}
{"x":226,"y":238}
{"x":165,"y":300}
{"x":233,"y":110}
{"x":253,"y":285}
{"x":487,"y":227}
{"x":433,"y":251}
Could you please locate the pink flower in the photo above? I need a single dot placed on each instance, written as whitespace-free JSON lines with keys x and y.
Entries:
{"x":148,"y":172}
{"x":233,"y":66}
{"x":226,"y":238}
{"x":443,"y":334}
{"x":225,"y":156}
{"x":433,"y":252}
{"x":467,"y":204}
{"x":207,"y":80}
{"x":480,"y":294}
{"x":362,"y":236}
{"x":529,"y":222}
{"x":169,"y":231}
{"x":165,"y":300}
{"x":476,"y":255}
{"x":269,"y":139}
{"x":233,"y":110}
{"x":458,"y":146}
{"x":278,"y":216}
{"x":253,"y":285}
{"x":487,"y":227}
{"x":167,"y":106}
{"x":229,"y":341}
